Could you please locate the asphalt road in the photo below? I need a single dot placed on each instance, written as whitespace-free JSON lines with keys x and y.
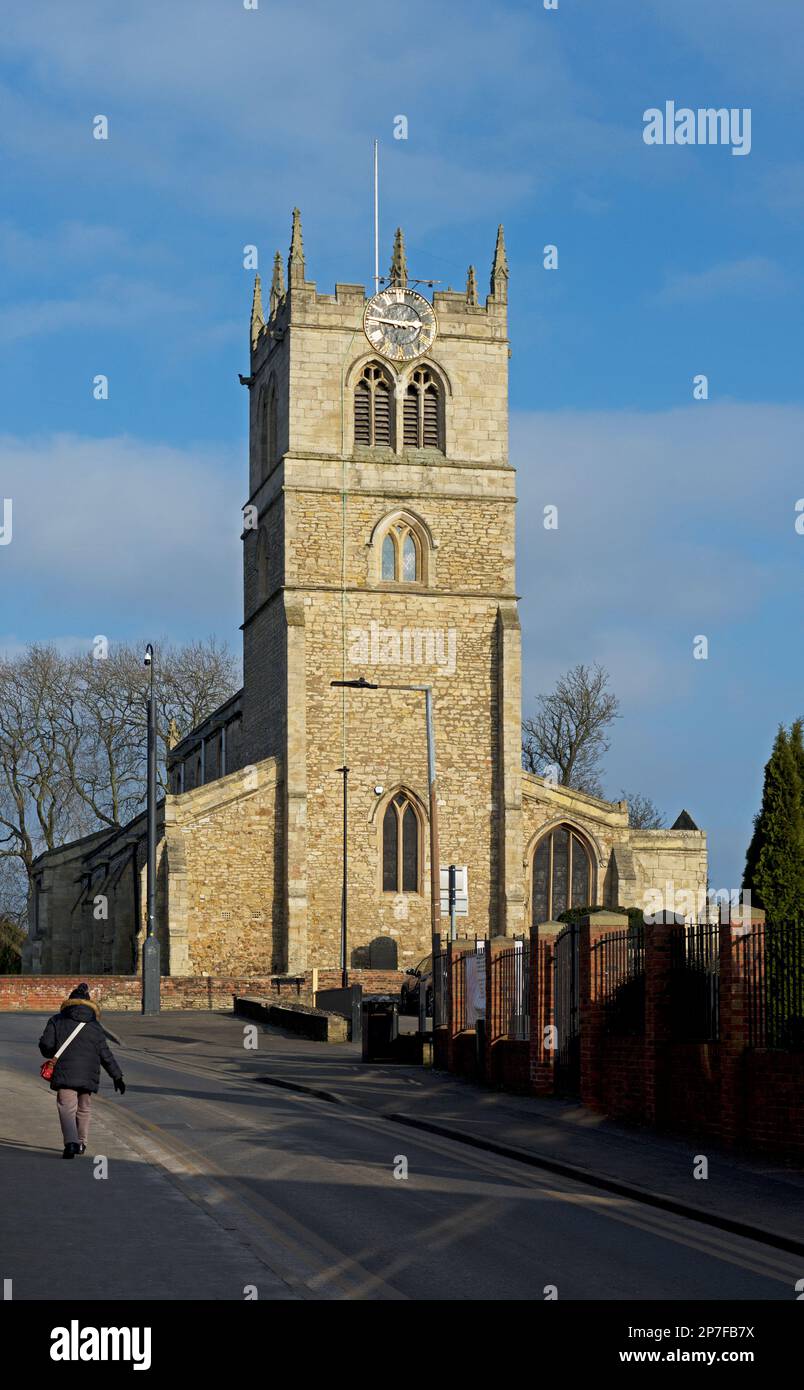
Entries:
{"x":255,"y":1185}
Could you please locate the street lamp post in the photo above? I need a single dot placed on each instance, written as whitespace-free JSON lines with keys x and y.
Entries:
{"x":344,"y":966}
{"x":435,"y":870}
{"x":150,"y":946}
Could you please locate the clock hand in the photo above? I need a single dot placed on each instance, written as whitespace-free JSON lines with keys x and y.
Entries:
{"x":399,"y":323}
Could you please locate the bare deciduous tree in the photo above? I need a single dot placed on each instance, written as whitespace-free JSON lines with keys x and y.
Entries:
{"x":568,"y":732}
{"x":73,"y":741}
{"x":643,"y":814}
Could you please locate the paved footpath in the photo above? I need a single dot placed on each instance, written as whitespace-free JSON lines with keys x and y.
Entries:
{"x":227,"y":1170}
{"x":134,"y":1234}
{"x":562,"y":1133}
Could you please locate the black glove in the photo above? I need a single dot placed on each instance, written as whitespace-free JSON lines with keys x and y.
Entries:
{"x":120,"y":1085}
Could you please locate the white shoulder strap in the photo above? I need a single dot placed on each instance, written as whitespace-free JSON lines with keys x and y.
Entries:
{"x":67,"y":1041}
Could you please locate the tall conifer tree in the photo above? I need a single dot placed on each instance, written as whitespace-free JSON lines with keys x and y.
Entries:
{"x":797,"y":745}
{"x":775,"y":859}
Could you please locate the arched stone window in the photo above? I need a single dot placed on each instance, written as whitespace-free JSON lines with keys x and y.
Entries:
{"x":401,"y":554}
{"x":422,"y":412}
{"x":401,"y":845}
{"x":374,"y":408}
{"x":563,"y":874}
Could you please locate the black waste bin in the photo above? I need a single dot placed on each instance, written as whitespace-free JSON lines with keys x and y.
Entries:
{"x":380,"y":1028}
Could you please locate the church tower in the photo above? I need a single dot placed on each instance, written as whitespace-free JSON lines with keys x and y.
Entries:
{"x":379,"y":542}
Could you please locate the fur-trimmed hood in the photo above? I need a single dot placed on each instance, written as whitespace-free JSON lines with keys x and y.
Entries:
{"x":85,"y":1003}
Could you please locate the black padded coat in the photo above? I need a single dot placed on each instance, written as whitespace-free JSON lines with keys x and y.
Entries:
{"x":79,"y":1067}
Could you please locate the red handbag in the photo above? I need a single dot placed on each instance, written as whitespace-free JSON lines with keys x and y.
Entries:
{"x":47,"y":1068}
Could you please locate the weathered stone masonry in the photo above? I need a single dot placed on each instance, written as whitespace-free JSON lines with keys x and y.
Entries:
{"x":250,"y":833}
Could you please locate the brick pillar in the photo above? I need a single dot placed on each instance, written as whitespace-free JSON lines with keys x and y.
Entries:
{"x":738,"y":947}
{"x":542,"y":1008}
{"x":591,"y":1010}
{"x":659,"y":937}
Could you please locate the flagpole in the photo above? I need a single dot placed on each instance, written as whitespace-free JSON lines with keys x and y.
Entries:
{"x":376,"y":219}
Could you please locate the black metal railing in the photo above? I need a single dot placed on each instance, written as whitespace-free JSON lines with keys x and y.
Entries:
{"x":510,"y":993}
{"x":772,"y":964}
{"x":618,"y":980}
{"x":695,"y":982}
{"x":566,"y":994}
{"x":440,"y":989}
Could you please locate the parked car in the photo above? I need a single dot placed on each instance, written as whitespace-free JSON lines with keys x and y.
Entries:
{"x":421,"y":974}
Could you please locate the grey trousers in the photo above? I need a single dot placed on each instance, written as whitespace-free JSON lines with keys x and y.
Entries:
{"x":75,"y":1108}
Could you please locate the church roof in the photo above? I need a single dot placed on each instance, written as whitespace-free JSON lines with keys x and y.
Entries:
{"x":684,"y":822}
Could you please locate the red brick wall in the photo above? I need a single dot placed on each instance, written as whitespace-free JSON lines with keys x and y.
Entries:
{"x":47,"y":992}
{"x":692,"y":1088}
{"x":509,"y":1066}
{"x":773,"y":1111}
{"x":724,"y":1091}
{"x":464,"y":1059}
{"x":619,"y":1077}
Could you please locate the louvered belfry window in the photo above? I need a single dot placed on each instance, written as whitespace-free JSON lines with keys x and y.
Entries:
{"x":422,"y":412}
{"x":373,"y":408}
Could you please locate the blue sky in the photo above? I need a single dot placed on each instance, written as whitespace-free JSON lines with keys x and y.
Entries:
{"x":124,"y":257}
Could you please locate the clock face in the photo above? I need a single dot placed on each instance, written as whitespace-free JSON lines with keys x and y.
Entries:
{"x":399,"y":323}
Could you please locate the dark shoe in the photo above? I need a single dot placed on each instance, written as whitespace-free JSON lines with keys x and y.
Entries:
{"x":70,"y":1150}
{"x":82,"y":1148}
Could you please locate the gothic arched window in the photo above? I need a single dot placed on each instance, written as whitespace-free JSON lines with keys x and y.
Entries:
{"x":562,"y":874}
{"x":401,"y":846}
{"x":374,"y":408}
{"x":422,"y":413}
{"x":401,"y":554}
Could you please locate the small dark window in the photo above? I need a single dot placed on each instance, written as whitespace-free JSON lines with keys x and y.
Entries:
{"x":267,"y":430}
{"x":390,"y":850}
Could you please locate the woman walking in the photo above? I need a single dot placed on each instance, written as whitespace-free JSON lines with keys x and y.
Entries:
{"x":76,"y":1074}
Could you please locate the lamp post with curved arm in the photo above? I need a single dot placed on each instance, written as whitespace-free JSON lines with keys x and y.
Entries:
{"x":435,"y":873}
{"x":150,"y":946}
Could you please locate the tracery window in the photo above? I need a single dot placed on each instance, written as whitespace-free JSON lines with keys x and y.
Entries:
{"x":401,"y":555}
{"x":374,"y":408}
{"x":562,"y":874}
{"x":401,"y":846}
{"x":422,"y":412}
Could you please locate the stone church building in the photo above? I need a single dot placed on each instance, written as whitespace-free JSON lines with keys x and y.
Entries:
{"x":378,"y":541}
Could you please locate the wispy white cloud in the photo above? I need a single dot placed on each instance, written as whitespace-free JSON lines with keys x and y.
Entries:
{"x":115,"y":533}
{"x":756,"y":46}
{"x":671,"y":524}
{"x":753,"y":275}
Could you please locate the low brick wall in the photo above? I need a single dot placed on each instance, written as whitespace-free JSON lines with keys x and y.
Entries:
{"x":297,"y":1018}
{"x":690,"y":1095}
{"x":509,"y":1066}
{"x":45,"y":993}
{"x":463,"y":1055}
{"x":773,"y":1103}
{"x":616,"y":1084}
